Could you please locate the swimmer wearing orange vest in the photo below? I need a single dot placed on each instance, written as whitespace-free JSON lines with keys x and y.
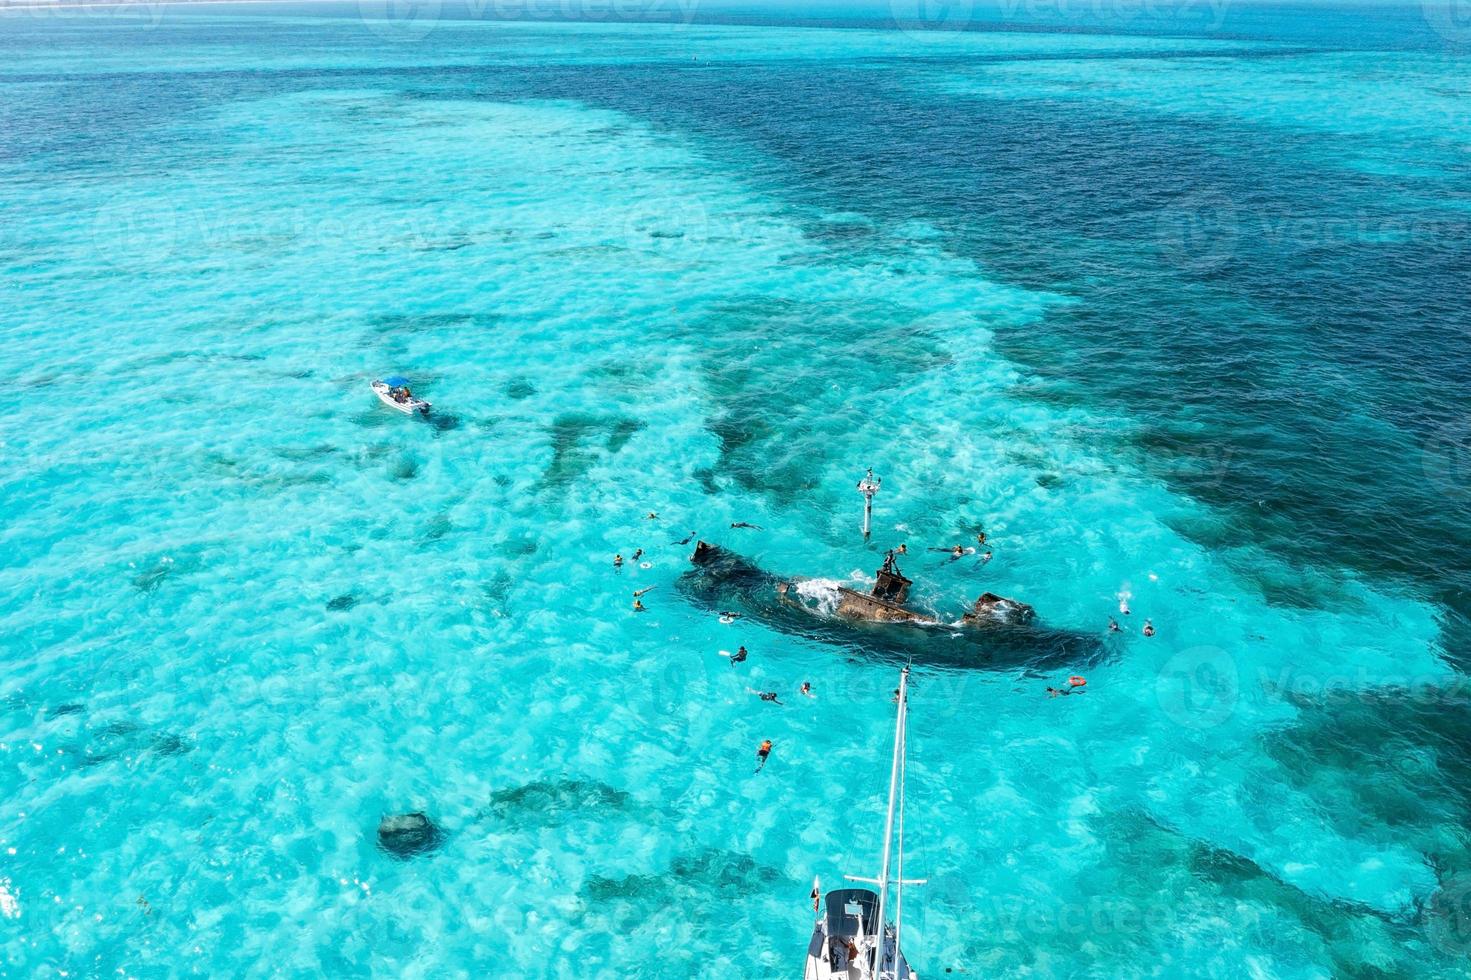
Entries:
{"x":762,"y":753}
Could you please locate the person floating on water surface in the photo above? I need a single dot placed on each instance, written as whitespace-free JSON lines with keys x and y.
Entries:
{"x":1148,"y":628}
{"x":807,"y":689}
{"x":651,"y":516}
{"x":639,"y":553}
{"x":753,"y":527}
{"x":764,"y":695}
{"x":986,"y":557}
{"x":981,"y":538}
{"x":638,"y":605}
{"x":1113,"y":625}
{"x":762,"y":753}
{"x":617,"y":561}
{"x":739,"y":655}
{"x":686,"y":539}
{"x":903,"y":549}
{"x":644,"y":591}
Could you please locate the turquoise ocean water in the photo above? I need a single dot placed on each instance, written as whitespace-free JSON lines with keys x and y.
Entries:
{"x":1170,"y":299}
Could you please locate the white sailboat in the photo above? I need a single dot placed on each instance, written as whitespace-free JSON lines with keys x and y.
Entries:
{"x":853,"y":938}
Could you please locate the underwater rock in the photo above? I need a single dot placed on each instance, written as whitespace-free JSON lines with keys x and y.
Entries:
{"x":166,"y":743}
{"x":439,"y":525}
{"x":574,"y":450}
{"x":407,"y":835}
{"x":728,"y":874}
{"x":148,"y":581}
{"x":546,"y":802}
{"x":342,"y":603}
{"x":498,"y":590}
{"x":404,"y":468}
{"x":120,"y":739}
{"x":443,"y":422}
{"x":110,"y":742}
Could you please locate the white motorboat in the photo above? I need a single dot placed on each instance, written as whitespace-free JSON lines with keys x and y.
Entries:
{"x":854,"y":937}
{"x":394,"y":392}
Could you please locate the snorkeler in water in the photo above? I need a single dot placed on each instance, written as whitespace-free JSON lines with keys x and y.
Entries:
{"x":1113,"y":625}
{"x":739,"y":656}
{"x":762,"y":753}
{"x":1148,"y":628}
{"x":638,"y":554}
{"x":644,"y":591}
{"x":747,"y":524}
{"x":638,"y":606}
{"x":807,"y":689}
{"x":617,"y":561}
{"x":764,"y":695}
{"x":687,"y":538}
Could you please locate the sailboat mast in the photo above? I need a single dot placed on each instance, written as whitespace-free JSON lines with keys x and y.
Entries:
{"x":899,"y":861}
{"x":883,"y":881}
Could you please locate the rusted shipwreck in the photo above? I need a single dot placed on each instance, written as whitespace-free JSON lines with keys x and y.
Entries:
{"x":994,"y":632}
{"x":885,"y":602}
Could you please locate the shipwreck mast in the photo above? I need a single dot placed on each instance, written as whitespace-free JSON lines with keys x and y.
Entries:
{"x":868,"y":486}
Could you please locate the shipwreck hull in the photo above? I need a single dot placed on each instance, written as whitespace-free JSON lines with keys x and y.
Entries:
{"x":721,"y":580}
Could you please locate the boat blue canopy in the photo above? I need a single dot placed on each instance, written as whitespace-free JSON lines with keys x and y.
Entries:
{"x":396,"y":381}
